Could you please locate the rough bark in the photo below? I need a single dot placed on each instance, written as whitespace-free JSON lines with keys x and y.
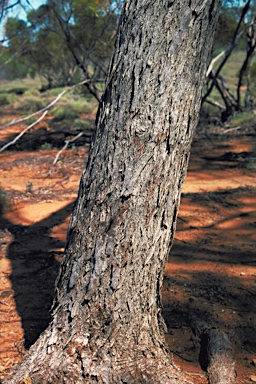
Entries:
{"x":106,"y":322}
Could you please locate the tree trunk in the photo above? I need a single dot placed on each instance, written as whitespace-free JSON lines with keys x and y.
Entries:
{"x":228,"y":51}
{"x":106,"y":323}
{"x":244,"y":71}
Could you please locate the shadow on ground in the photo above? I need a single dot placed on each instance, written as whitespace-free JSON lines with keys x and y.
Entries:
{"x":211,"y":273}
{"x":34,"y":262}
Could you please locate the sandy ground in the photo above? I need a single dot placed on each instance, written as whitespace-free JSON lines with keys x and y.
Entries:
{"x":211,"y":271}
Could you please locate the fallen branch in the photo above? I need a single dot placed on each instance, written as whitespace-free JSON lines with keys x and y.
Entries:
{"x":23,"y":132}
{"x":231,"y":129}
{"x":67,"y":142}
{"x":216,"y":355}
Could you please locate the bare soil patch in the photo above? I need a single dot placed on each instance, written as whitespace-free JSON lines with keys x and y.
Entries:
{"x":211,"y":270}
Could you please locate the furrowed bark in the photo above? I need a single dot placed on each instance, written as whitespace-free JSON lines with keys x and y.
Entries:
{"x":107,"y":324}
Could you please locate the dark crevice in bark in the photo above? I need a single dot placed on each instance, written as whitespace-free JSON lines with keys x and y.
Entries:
{"x":168,"y":147}
{"x":163,"y":223}
{"x":211,"y":10}
{"x":133,"y":78}
{"x":170,"y":4}
{"x":174,"y":220}
{"x":188,"y":126}
{"x":195,"y":14}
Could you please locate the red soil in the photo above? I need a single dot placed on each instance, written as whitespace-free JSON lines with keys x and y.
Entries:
{"x":211,"y":270}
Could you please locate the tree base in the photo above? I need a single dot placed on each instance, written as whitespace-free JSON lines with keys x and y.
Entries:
{"x":47,"y":364}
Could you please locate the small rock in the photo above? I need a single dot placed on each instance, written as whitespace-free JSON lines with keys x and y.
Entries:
{"x":242,"y":273}
{"x":254,"y":362}
{"x":253,"y":378}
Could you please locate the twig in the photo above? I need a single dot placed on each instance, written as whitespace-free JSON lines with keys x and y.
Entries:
{"x":66,"y":145}
{"x":23,"y":132}
{"x":231,"y":129}
{"x":214,"y":61}
{"x":215,"y":103}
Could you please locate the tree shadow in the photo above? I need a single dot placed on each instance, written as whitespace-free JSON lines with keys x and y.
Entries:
{"x":211,"y":271}
{"x":34,"y":270}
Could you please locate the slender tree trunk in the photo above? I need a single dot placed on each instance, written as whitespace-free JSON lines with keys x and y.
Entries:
{"x":244,"y":71}
{"x":107,"y":325}
{"x":228,"y":51}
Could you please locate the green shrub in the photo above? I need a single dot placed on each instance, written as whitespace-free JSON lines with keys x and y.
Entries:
{"x":64,"y":113}
{"x":54,"y":92}
{"x":244,"y":120}
{"x":30,"y":103}
{"x":18,"y":90}
{"x":6,"y":98}
{"x":32,"y":92}
{"x":46,"y":146}
{"x":81,"y":106}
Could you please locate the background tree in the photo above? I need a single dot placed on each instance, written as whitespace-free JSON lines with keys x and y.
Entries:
{"x":243,"y":36}
{"x":52,"y":32}
{"x":107,"y":324}
{"x":227,"y":24}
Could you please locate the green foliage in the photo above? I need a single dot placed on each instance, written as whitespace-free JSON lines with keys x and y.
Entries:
{"x":251,"y":166}
{"x":10,"y":66}
{"x":54,"y":92}
{"x":30,"y":103}
{"x":18,"y":90}
{"x":62,"y":41}
{"x":32,"y":92}
{"x":244,"y":120}
{"x":93,"y":6}
{"x":81,"y":106}
{"x":46,"y":146}
{"x":6,"y":98}
{"x":64,"y":113}
{"x":71,"y":109}
{"x":227,"y":24}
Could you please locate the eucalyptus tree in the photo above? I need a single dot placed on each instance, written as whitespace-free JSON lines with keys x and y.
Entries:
{"x":106,"y":317}
{"x":65,"y":41}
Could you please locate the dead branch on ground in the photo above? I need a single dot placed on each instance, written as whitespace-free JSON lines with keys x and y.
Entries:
{"x":216,"y":355}
{"x":67,"y":142}
{"x":44,"y":111}
{"x":23,"y":132}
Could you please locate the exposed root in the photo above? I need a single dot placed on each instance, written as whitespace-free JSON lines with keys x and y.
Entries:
{"x":74,"y":364}
{"x":216,"y":355}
